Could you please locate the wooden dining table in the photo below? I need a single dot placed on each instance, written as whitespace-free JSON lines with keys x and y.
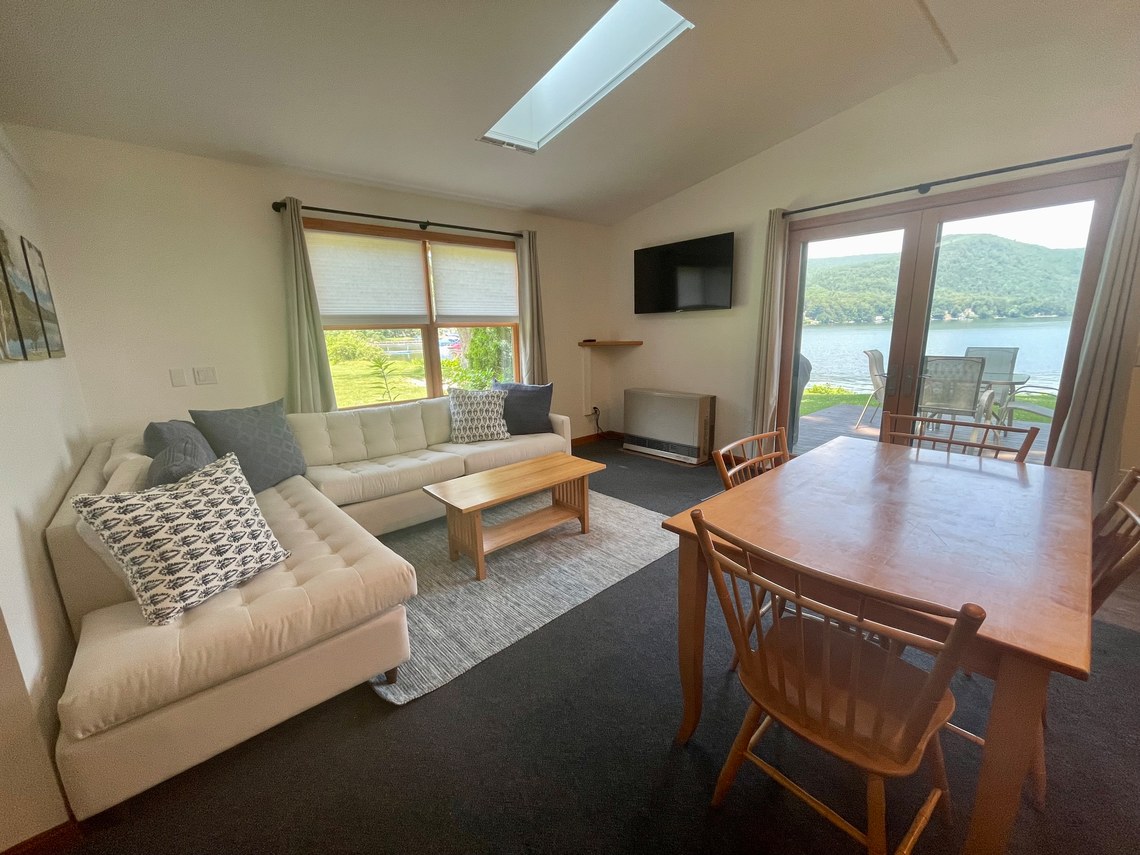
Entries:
{"x":946,"y":527}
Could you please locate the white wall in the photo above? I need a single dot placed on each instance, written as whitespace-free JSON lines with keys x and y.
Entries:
{"x":178,"y":262}
{"x":984,"y":113}
{"x":42,"y":427}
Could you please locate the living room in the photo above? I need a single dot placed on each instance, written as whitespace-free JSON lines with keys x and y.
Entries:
{"x":161,"y":258}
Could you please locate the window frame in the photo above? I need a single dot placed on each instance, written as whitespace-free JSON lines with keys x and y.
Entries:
{"x":429,"y":332}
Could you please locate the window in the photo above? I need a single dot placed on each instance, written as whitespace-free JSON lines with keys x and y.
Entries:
{"x":408,"y":314}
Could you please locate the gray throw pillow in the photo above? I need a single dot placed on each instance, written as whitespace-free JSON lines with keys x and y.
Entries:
{"x":259,"y":436}
{"x":158,"y":435}
{"x":477,"y":415}
{"x":527,"y":408}
{"x":177,"y":448}
{"x":178,"y":460}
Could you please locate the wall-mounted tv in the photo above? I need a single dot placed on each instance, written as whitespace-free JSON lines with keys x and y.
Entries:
{"x":683,"y":277}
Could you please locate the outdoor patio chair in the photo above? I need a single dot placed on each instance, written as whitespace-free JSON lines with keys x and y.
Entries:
{"x":1000,"y":362}
{"x":839,"y":683}
{"x":980,"y":438}
{"x":878,"y":373}
{"x":950,"y":385}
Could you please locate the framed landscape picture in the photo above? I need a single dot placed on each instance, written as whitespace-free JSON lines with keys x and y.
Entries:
{"x":22,"y":297}
{"x":44,"y":300}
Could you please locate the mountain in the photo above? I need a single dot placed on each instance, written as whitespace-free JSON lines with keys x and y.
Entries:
{"x":982,"y":276}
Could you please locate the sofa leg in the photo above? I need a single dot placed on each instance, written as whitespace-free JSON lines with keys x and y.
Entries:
{"x":390,"y":676}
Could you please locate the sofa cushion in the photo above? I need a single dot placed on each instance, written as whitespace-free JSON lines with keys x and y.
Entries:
{"x":527,"y":408}
{"x":337,"y":576}
{"x":259,"y":436}
{"x":130,"y":477}
{"x":477,"y":415}
{"x":436,"y":413}
{"x":183,"y":543}
{"x":363,"y":480}
{"x":181,"y":458}
{"x":123,"y":448}
{"x":331,"y":438}
{"x":480,"y":456}
{"x":177,"y":449}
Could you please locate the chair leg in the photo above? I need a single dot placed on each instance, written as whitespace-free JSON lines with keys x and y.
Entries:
{"x":876,"y":816}
{"x":938,"y":773}
{"x":736,"y":754}
{"x":859,"y":420}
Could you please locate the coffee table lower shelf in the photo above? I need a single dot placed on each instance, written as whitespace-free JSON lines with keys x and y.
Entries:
{"x":566,"y":477}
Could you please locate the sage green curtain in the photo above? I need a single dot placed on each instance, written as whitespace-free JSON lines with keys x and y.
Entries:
{"x":532,"y":340}
{"x":770,"y":334}
{"x":1090,"y":437}
{"x":310,"y":386}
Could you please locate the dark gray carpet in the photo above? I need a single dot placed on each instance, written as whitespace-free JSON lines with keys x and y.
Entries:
{"x":562,"y":744}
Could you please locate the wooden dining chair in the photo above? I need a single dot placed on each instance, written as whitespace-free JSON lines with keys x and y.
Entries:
{"x":754,"y":455}
{"x":1115,"y":557}
{"x":831,"y":683}
{"x":980,"y":438}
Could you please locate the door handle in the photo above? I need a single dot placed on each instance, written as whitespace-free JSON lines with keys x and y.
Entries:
{"x":908,"y":379}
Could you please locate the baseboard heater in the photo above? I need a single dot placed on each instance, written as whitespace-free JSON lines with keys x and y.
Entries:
{"x":675,"y":425}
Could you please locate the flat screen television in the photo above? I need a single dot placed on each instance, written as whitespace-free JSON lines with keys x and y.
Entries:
{"x":688,"y":276}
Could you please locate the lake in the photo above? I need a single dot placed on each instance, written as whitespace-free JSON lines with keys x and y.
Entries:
{"x":836,"y":352}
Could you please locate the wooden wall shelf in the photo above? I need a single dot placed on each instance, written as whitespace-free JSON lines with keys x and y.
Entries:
{"x":585,"y":343}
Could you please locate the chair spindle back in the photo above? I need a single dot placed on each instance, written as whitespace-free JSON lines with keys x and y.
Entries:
{"x":978,"y":438}
{"x":754,"y":455}
{"x":1116,"y":541}
{"x":843,"y":684}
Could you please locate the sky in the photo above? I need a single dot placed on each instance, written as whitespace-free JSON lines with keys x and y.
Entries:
{"x":1056,"y":227}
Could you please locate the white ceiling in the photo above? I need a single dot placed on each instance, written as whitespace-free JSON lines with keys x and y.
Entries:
{"x":397,"y":92}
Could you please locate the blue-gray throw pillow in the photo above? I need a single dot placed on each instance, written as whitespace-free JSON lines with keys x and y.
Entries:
{"x":178,"y":448}
{"x":177,"y":460}
{"x":527,"y":408}
{"x":259,"y":436}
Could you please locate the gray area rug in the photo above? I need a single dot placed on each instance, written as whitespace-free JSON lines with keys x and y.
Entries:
{"x":456,"y":622}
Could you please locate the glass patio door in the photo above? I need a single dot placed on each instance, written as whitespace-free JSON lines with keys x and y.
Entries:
{"x":847,"y":305}
{"x":977,"y":306}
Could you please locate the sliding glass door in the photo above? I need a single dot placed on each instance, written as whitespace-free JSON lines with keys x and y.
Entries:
{"x":972,"y":308}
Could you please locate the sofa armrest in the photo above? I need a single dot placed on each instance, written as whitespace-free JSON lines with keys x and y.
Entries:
{"x":561,"y":426}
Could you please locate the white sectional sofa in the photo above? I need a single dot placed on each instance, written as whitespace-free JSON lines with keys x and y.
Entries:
{"x":144,"y":702}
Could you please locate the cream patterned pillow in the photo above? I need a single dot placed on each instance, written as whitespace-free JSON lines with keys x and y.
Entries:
{"x":477,"y":415}
{"x":182,"y":543}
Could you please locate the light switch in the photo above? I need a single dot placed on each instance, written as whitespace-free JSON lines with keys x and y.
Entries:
{"x":205,"y":376}
{"x":177,"y":376}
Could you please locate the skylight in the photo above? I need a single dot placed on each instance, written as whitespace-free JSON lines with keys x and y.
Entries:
{"x":627,"y":36}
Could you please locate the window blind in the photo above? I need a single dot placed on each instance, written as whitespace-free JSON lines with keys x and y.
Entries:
{"x":474,"y":284}
{"x":368,"y":281}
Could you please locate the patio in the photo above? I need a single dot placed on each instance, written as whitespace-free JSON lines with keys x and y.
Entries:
{"x":839,"y":420}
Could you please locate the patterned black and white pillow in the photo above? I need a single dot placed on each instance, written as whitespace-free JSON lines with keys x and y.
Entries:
{"x":182,"y":543}
{"x":477,"y":415}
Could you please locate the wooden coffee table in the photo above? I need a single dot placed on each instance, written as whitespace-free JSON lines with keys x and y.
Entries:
{"x":467,"y":497}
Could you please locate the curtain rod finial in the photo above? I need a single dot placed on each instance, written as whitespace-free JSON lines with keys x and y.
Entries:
{"x":278,"y":206}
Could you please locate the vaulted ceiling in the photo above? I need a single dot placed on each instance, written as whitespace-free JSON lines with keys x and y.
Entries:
{"x":398,"y":92}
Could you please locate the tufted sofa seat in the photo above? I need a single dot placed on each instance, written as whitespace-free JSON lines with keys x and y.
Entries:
{"x":142,"y":703}
{"x":334,"y":579}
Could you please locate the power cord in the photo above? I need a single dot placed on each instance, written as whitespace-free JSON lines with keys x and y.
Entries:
{"x":597,"y":420}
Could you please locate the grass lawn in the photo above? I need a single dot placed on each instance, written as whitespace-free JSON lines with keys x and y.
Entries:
{"x":358,"y":384}
{"x":820,"y":396}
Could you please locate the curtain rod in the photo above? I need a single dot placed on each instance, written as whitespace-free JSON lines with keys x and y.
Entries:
{"x":423,"y":224}
{"x":927,"y":186}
